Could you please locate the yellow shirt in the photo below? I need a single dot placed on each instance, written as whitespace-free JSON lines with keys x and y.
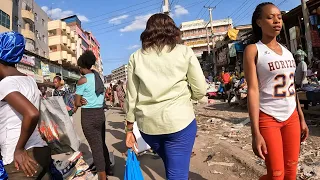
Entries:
{"x":160,"y":88}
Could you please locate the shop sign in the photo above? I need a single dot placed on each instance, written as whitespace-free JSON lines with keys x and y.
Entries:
{"x":192,"y":43}
{"x":45,"y":69}
{"x":28,"y":60}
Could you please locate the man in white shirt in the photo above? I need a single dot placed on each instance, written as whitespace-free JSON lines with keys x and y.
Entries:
{"x":301,"y":73}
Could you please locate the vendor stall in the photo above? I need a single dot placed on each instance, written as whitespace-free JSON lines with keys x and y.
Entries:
{"x":310,"y":95}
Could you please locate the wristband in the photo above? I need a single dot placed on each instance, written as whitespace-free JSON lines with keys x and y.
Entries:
{"x":128,"y":129}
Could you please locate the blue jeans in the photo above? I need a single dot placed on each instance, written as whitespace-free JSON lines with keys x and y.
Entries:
{"x":175,"y":150}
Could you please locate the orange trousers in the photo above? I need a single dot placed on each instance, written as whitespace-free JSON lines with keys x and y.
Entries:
{"x":283,"y":146}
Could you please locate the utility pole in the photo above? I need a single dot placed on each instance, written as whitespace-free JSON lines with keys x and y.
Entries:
{"x":166,"y":8}
{"x":305,"y":13}
{"x":212,"y":39}
{"x":208,"y":40}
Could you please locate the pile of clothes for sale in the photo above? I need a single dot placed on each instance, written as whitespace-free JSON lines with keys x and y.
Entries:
{"x":73,"y":166}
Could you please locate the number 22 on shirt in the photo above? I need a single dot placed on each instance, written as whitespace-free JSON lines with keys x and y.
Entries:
{"x":281,"y":88}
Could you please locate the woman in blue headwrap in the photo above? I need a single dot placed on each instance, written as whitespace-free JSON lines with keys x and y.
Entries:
{"x":23,"y":151}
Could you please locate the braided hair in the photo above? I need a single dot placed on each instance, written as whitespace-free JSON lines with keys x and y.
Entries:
{"x":257,"y":31}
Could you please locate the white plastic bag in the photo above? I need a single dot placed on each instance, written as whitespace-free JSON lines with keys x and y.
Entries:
{"x":142,"y":145}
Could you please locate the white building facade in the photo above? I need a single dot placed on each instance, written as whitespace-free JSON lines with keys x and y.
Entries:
{"x":196,"y":34}
{"x":121,"y":73}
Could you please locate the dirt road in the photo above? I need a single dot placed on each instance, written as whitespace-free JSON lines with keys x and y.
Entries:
{"x":222,"y":149}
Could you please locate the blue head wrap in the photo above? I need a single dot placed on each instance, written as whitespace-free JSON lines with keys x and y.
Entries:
{"x":12,"y":46}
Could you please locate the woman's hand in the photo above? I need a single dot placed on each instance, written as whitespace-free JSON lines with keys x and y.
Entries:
{"x":259,"y":146}
{"x":304,"y":130}
{"x":131,"y":141}
{"x":23,"y":161}
{"x":83,"y":101}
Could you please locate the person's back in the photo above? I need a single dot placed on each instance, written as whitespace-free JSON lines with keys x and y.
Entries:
{"x":226,"y":78}
{"x":87,"y":91}
{"x":164,"y":95}
{"x":163,"y":77}
{"x":10,"y":121}
{"x":301,"y":74}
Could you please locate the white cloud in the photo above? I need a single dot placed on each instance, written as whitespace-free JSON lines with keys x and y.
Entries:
{"x":136,"y":46}
{"x":179,"y":11}
{"x":58,"y":13}
{"x":45,"y":8}
{"x":82,"y":18}
{"x":118,"y":20}
{"x":137,"y":24}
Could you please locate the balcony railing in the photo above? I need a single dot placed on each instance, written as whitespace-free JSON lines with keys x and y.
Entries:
{"x":58,"y":56}
{"x":28,"y":34}
{"x":27,"y":15}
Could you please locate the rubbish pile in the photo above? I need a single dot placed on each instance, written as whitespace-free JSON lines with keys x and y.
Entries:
{"x":233,"y":126}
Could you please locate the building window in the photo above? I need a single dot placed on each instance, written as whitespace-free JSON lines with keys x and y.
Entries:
{"x":36,"y":16}
{"x":44,"y":39}
{"x":4,"y":19}
{"x":16,"y":21}
{"x":37,"y":34}
{"x":42,"y":22}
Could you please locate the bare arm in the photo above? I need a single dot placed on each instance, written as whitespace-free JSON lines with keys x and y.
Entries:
{"x":79,"y":92}
{"x":249,"y":58}
{"x":258,"y":144}
{"x":303,"y":125}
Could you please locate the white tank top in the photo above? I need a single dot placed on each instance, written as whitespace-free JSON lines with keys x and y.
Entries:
{"x":276,"y":82}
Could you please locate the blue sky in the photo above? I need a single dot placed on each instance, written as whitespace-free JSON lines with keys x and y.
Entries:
{"x":117,"y":24}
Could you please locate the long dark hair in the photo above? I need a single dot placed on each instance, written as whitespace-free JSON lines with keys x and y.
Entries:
{"x":160,"y":31}
{"x":257,"y":31}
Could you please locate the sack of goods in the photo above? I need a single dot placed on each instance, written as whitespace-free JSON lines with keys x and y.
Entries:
{"x":132,"y":171}
{"x":74,"y":167}
{"x":56,"y":126}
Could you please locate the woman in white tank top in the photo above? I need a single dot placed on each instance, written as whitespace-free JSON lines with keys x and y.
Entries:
{"x":277,"y":121}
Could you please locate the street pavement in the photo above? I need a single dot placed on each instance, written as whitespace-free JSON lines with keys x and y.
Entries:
{"x":152,"y":168}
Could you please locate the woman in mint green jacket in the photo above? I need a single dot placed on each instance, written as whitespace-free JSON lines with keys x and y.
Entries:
{"x":163,"y":79}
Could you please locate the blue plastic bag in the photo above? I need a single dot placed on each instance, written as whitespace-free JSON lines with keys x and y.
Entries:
{"x":132,"y":171}
{"x":3,"y":173}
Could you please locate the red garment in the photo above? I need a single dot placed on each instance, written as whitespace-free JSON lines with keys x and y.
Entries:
{"x":226,"y":78}
{"x":283,"y":146}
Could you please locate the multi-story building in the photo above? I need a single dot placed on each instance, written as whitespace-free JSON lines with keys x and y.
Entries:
{"x":108,"y":79}
{"x":121,"y":73}
{"x":94,"y":46}
{"x":6,"y":8}
{"x":86,"y":41}
{"x":62,"y":42}
{"x":75,"y":25}
{"x":32,"y":22}
{"x":196,"y":34}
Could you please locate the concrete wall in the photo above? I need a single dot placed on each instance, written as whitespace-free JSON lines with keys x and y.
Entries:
{"x":7,"y":7}
{"x":41,"y":25}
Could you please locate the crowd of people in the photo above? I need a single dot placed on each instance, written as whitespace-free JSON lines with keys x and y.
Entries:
{"x":163,"y":77}
{"x":115,"y":94}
